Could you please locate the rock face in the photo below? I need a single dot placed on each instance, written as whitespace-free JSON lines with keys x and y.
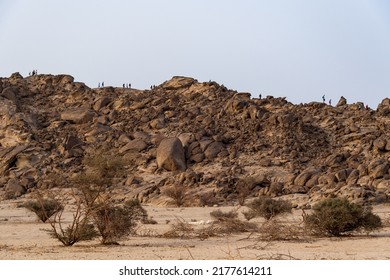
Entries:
{"x":170,"y":155}
{"x":220,"y":137}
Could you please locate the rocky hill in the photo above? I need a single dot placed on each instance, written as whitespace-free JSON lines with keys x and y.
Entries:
{"x":218,"y":143}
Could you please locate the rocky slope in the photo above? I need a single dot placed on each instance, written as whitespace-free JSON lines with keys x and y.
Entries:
{"x":219,"y":143}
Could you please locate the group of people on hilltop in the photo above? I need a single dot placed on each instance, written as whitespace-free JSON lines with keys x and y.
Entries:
{"x":101,"y":85}
{"x":360,"y":105}
{"x":127,"y":85}
{"x":33,"y":73}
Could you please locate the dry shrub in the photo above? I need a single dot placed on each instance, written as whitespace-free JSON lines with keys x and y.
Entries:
{"x":79,"y":229}
{"x":228,"y":223}
{"x":335,"y":216}
{"x":230,"y":226}
{"x":220,"y":215}
{"x":208,"y":199}
{"x":177,"y":193}
{"x":244,"y":188}
{"x":180,"y":229}
{"x":267,"y":208}
{"x":114,"y":222}
{"x":44,"y":208}
{"x":273,"y":230}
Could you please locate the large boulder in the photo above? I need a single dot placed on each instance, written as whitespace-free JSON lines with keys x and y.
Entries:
{"x":170,"y":155}
{"x":342,"y":102}
{"x":14,"y":189}
{"x":78,"y":115}
{"x":136,"y":145}
{"x":8,"y":157}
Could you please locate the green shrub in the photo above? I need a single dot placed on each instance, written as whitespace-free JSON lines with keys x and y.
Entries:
{"x":335,"y":216}
{"x":44,"y":208}
{"x":267,"y":208}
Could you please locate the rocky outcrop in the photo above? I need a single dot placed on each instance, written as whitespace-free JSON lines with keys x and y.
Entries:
{"x":221,"y":137}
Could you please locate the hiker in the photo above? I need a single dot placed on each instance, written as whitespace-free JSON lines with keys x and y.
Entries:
{"x":330,"y":101}
{"x":129,"y":85}
{"x":124,"y":85}
{"x":260,"y":95}
{"x":102,"y":84}
{"x":98,"y":85}
{"x":323,"y":98}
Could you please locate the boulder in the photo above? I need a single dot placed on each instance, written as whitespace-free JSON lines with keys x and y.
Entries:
{"x":305,"y":176}
{"x":379,"y":171}
{"x":342,"y":102}
{"x":170,"y":155}
{"x":136,"y":145}
{"x":101,"y":102}
{"x":78,"y":115}
{"x":8,"y":156}
{"x":213,"y":150}
{"x":178,"y":82}
{"x":14,"y":189}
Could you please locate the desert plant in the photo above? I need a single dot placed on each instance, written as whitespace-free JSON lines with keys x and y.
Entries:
{"x":178,"y":194}
{"x":180,"y":229}
{"x":220,"y":215}
{"x":44,"y":208}
{"x":244,"y":188}
{"x":117,"y":221}
{"x":335,"y":216}
{"x":79,"y":229}
{"x":267,"y":208}
{"x":208,"y":199}
{"x":228,"y":223}
{"x":273,"y":230}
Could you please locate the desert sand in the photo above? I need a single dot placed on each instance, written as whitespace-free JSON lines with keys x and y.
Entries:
{"x":22,"y":236}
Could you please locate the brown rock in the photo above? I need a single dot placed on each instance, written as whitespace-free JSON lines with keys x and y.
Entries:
{"x":170,"y":155}
{"x":13,"y":189}
{"x":78,"y":115}
{"x":136,"y":145}
{"x":213,"y":150}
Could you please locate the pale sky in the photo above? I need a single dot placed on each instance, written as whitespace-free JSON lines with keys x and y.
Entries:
{"x":299,"y":49}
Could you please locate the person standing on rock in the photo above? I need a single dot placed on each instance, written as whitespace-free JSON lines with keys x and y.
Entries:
{"x":323,"y":98}
{"x":330,"y":101}
{"x":102,"y":84}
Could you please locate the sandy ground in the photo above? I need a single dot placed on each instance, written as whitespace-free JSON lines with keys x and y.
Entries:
{"x":23,"y":237}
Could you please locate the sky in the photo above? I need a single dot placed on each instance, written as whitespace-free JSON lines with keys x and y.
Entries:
{"x":298,"y":49}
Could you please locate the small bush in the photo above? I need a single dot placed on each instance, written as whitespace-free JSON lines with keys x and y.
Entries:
{"x":80,"y":228}
{"x":335,"y":216}
{"x":267,"y":208}
{"x":180,"y":229}
{"x":115,"y":222}
{"x":273,"y":230}
{"x":208,"y":199}
{"x":178,"y":194}
{"x":75,"y":233}
{"x":44,"y":208}
{"x":220,"y":215}
{"x":230,"y":226}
